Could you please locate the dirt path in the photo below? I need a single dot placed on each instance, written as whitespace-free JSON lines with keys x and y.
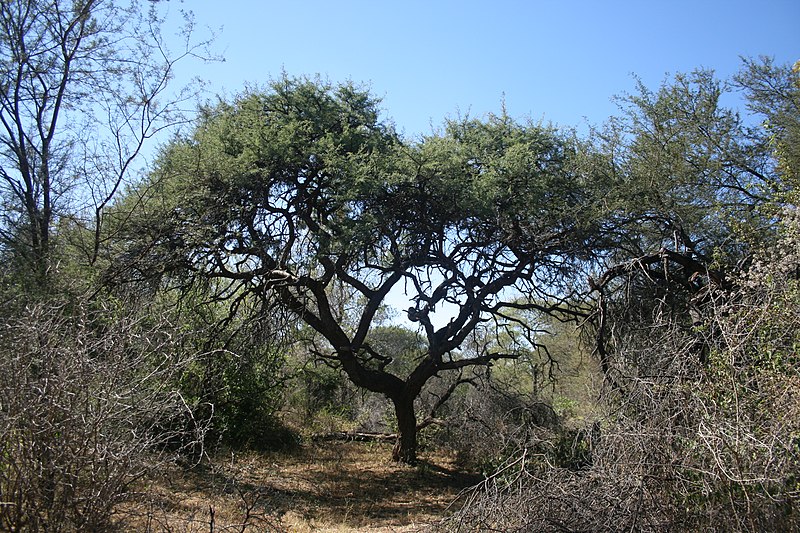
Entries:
{"x":332,"y":486}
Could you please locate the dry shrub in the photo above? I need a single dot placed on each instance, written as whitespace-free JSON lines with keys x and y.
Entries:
{"x":87,"y":408}
{"x":687,"y":443}
{"x":688,"y":460}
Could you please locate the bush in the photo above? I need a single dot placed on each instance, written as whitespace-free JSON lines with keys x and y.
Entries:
{"x":86,"y":410}
{"x":244,"y":388}
{"x":687,"y":444}
{"x":238,"y":377}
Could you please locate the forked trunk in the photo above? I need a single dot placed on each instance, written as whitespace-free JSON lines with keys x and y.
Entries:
{"x":405,"y":449}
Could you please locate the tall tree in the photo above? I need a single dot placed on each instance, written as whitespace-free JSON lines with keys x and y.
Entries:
{"x":83,"y":86}
{"x":694,"y":190}
{"x":291,"y":193}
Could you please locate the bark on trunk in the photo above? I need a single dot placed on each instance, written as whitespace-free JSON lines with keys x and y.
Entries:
{"x":405,"y":448}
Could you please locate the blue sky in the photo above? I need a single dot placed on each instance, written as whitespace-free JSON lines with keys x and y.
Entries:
{"x":557,"y":61}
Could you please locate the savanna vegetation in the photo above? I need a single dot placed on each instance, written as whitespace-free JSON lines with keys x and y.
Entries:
{"x":604,"y":327}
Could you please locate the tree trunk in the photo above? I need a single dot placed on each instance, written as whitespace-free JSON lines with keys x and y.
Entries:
{"x":405,"y":448}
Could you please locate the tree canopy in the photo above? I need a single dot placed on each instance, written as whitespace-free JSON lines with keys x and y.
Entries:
{"x":291,"y":191}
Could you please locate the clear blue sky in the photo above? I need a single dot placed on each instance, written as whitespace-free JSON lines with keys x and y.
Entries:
{"x":560,"y":61}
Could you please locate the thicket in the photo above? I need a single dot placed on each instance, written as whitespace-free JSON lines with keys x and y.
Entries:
{"x":697,"y":426}
{"x":684,"y":444}
{"x":89,"y":409}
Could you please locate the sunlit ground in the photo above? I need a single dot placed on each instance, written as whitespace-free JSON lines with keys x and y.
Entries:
{"x":326,"y":487}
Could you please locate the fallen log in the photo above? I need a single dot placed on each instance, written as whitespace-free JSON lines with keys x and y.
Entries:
{"x":354,"y":436}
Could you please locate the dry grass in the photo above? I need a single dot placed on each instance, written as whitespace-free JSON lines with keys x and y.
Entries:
{"x":339,"y":487}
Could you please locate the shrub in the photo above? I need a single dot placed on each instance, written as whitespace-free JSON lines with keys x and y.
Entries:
{"x":87,"y":408}
{"x":687,"y":444}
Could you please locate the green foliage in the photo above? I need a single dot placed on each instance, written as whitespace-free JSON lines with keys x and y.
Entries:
{"x":303,"y":144}
{"x":325,"y":392}
{"x":401,"y":347}
{"x":320,"y":153}
{"x":247,"y":400}
{"x":686,"y":172}
{"x":773,"y":92}
{"x":237,"y":381}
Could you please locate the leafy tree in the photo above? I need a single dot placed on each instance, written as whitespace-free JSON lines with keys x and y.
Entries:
{"x":693,"y":196}
{"x":687,"y":170}
{"x":300,"y":192}
{"x":773,"y":92}
{"x":83,"y":87}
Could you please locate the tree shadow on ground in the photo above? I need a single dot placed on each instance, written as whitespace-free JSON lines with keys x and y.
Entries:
{"x":341,"y":485}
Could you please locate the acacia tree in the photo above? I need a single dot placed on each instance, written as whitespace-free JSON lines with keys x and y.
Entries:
{"x":83,"y":86}
{"x":291,"y":193}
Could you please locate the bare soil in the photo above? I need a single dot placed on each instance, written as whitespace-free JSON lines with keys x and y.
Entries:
{"x":331,"y":486}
